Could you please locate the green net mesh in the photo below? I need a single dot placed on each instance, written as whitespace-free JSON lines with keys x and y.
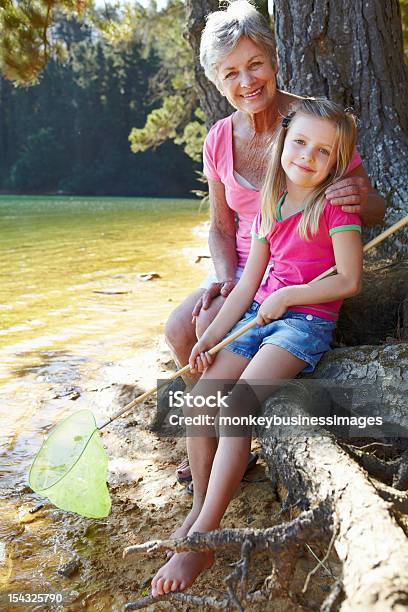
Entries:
{"x":71,"y":467}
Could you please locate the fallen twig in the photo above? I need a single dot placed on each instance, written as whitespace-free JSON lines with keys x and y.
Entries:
{"x":320,"y":563}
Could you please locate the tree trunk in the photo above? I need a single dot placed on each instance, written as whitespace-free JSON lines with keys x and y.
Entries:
{"x":380,"y":312}
{"x":214,"y":105}
{"x":315,"y":471}
{"x":350,"y":51}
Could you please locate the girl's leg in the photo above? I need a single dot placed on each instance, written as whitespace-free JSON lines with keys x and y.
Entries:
{"x":201,"y":448}
{"x":271,"y":363}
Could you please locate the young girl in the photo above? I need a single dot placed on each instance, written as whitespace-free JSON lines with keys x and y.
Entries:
{"x":305,"y":235}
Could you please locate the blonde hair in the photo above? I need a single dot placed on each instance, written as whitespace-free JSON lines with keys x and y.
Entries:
{"x":225,"y":28}
{"x":275,"y":181}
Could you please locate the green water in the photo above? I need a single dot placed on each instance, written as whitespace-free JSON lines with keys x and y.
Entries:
{"x":72,"y":304}
{"x":57,"y":253}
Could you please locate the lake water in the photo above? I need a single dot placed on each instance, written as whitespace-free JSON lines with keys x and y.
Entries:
{"x":55,"y":254}
{"x":71,"y":298}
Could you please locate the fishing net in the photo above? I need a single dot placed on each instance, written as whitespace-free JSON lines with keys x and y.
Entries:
{"x":71,"y":467}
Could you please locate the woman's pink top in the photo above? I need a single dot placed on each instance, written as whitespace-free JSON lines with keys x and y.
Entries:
{"x":219,"y":166}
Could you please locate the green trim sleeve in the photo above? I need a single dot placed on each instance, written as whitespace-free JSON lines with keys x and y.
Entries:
{"x":260,"y":238}
{"x":343,"y":228}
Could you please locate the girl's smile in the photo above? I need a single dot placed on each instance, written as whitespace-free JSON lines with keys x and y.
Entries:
{"x":302,"y":167}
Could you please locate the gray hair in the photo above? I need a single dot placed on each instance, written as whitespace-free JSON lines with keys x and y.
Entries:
{"x":225,"y":28}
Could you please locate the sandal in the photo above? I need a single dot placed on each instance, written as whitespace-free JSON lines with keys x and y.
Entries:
{"x":253,"y":458}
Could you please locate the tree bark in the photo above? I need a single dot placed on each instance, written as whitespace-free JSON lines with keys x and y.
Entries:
{"x":380,"y":312}
{"x":316,"y":470}
{"x":350,"y":51}
{"x":214,"y":105}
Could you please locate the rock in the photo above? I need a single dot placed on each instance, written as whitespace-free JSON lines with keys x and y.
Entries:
{"x":72,"y":392}
{"x":147,"y":276}
{"x":70,"y":568}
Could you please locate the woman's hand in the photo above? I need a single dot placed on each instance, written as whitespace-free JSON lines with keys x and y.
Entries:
{"x":222,"y":288}
{"x":200,"y":359}
{"x":274,"y":307}
{"x":351,"y":193}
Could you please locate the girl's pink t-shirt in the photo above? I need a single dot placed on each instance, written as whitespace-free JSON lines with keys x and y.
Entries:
{"x":298,"y":261}
{"x":219,"y":166}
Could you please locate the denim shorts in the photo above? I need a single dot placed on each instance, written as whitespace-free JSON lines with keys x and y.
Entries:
{"x":306,"y":336}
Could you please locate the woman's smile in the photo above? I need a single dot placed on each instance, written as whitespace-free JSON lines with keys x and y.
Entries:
{"x":254,"y":94}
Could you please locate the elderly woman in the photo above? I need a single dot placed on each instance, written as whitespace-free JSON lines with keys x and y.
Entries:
{"x":238,"y":55}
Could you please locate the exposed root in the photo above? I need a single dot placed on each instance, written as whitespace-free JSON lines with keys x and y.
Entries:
{"x":383,"y":470}
{"x":400,"y":480}
{"x":390,"y":472}
{"x":334,"y":598}
{"x":398,"y":500}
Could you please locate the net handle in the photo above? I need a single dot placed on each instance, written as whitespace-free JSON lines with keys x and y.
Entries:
{"x":218,"y":347}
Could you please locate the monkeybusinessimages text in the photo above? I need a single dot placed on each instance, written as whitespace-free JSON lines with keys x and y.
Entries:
{"x":179,"y":399}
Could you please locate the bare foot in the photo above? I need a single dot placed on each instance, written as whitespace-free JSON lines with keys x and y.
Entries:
{"x":181,"y":571}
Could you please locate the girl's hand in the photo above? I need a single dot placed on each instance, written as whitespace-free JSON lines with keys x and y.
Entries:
{"x":351,"y":193}
{"x":274,"y":307}
{"x":214,"y":290}
{"x":200,"y":359}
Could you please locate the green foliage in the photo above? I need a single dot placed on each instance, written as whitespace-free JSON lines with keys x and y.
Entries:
{"x":30,"y":172}
{"x":193,"y":136}
{"x":177,"y":118}
{"x":26,"y":38}
{"x":160,"y":125}
{"x":33,"y":33}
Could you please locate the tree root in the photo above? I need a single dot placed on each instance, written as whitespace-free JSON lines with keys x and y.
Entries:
{"x":400,"y":480}
{"x":390,"y":472}
{"x":212,"y":602}
{"x":334,"y":598}
{"x":376,"y":467}
{"x":398,"y":500}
